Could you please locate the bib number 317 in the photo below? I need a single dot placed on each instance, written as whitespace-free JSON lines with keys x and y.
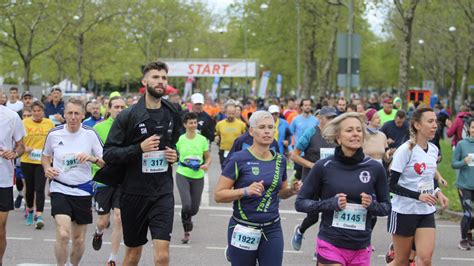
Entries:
{"x":245,"y":238}
{"x":154,"y":162}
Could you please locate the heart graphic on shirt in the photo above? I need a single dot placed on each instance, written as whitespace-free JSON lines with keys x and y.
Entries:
{"x":420,"y":168}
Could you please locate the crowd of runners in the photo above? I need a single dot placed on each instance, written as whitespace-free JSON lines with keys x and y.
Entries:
{"x":351,"y":160}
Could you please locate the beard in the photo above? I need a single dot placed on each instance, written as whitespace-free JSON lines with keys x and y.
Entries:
{"x":230,"y":119}
{"x":151,"y":90}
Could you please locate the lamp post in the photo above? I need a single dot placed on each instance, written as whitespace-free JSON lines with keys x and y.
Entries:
{"x":127,"y":85}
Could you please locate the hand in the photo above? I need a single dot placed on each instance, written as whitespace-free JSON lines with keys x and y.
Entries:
{"x":256,"y":189}
{"x":285,"y":143}
{"x":341,"y":200}
{"x":390,"y":141}
{"x":8,"y":155}
{"x":366,"y":200}
{"x":428,"y":198}
{"x":217,"y":139}
{"x":443,"y":181}
{"x":204,"y":167}
{"x":59,"y":118}
{"x":448,"y":123}
{"x":171,"y":155}
{"x":28,"y":150}
{"x":51,"y":173}
{"x":82,"y":157}
{"x":467,"y":159}
{"x":442,"y":199}
{"x":296,"y":187}
{"x":150,"y":144}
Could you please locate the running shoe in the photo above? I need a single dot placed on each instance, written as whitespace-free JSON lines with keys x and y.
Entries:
{"x":18,"y":200}
{"x":97,"y":241}
{"x":226,"y":253}
{"x":297,"y":238}
{"x":29,"y":219}
{"x":471,"y":241}
{"x":111,"y":263}
{"x":464,"y":245}
{"x":185,"y":239}
{"x":315,"y":256}
{"x":39,"y":223}
{"x":390,"y":254}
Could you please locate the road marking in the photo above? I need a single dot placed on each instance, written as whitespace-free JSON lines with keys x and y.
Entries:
{"x":180,"y":246}
{"x":219,"y":215}
{"x":34,"y":264}
{"x":447,"y":225}
{"x":293,"y":251}
{"x":18,"y":238}
{"x":216,"y":248}
{"x":460,"y":259}
{"x":205,"y":191}
{"x":216,"y":208}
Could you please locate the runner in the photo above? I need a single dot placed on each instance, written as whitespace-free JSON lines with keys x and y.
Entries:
{"x":415,"y":191}
{"x":348,"y":188}
{"x":95,"y":116}
{"x":463,"y":160}
{"x":14,"y":102}
{"x":376,"y":141}
{"x":142,"y":139}
{"x":11,"y":147}
{"x":37,"y":128}
{"x":71,"y":148}
{"x":314,"y":147}
{"x":254,"y":179}
{"x":194,"y":161}
{"x":205,"y":126}
{"x":107,"y":197}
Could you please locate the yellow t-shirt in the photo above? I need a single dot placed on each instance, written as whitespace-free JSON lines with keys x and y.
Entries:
{"x":228,"y":132}
{"x":35,"y":137}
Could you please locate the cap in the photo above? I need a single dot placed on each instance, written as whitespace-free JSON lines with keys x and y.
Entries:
{"x":56,"y":88}
{"x":26,"y":93}
{"x":388,"y":100}
{"x":197,"y":98}
{"x":328,"y":111}
{"x":370,"y":113}
{"x":114,"y":93}
{"x":273,"y":109}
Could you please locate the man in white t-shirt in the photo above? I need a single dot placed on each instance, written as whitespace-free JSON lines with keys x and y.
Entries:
{"x":14,"y":103}
{"x":11,"y":147}
{"x":72,"y":148}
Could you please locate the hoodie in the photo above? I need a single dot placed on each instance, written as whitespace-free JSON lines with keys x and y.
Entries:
{"x":466,"y":173}
{"x":397,"y":99}
{"x":456,"y":128}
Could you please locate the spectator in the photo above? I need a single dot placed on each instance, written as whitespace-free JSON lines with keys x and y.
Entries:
{"x":455,"y":130}
{"x":54,"y":109}
{"x":387,"y":113}
{"x":14,"y":103}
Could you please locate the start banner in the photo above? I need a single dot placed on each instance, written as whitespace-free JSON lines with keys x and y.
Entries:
{"x":212,"y":69}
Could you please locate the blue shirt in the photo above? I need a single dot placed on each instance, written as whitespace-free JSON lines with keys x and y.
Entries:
{"x":301,"y":123}
{"x":51,"y":109}
{"x":245,"y":168}
{"x":91,"y":121}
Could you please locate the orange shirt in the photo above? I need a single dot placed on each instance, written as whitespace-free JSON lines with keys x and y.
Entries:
{"x":246,"y":111}
{"x":211,"y":110}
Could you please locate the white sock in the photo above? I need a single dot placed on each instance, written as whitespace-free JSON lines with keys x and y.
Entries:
{"x":100,"y":232}
{"x":113,"y":257}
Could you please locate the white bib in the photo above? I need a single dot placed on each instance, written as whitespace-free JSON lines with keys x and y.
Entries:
{"x":35,"y":155}
{"x":326,"y":152}
{"x":154,"y":162}
{"x":352,"y":217}
{"x":426,"y":188}
{"x":69,"y":162}
{"x":54,"y":120}
{"x":472,"y":157}
{"x":246,"y":238}
{"x":226,"y":153}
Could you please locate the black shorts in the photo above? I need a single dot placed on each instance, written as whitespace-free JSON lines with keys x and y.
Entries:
{"x":139,"y":213}
{"x":6,"y":199}
{"x":106,"y":198}
{"x":79,"y":208}
{"x":406,"y":224}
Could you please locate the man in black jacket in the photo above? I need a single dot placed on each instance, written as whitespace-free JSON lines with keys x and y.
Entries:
{"x":206,"y":125}
{"x":143,"y":138}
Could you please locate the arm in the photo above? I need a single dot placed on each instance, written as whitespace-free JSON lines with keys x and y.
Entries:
{"x":115,"y":150}
{"x":49,"y":171}
{"x":453,"y":128}
{"x":225,"y":191}
{"x":399,"y":190}
{"x":295,"y":155}
{"x":380,"y":206}
{"x":458,"y":162}
{"x":286,"y":191}
{"x":207,"y":161}
{"x":15,"y":153}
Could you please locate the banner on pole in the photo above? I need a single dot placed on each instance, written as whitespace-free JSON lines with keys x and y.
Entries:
{"x":278,"y":85}
{"x":211,"y":68}
{"x":215,"y":84}
{"x":264,"y":83}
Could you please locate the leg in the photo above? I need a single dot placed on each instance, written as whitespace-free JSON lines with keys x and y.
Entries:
{"x":311,"y":218}
{"x":239,"y":256}
{"x":465,"y":197}
{"x":425,"y":242}
{"x":132,"y":256}
{"x":63,"y":230}
{"x":184,"y":189}
{"x":102,"y":222}
{"x":40,"y":183}
{"x":402,"y":246}
{"x":270,"y":250}
{"x":3,"y":234}
{"x":116,"y":232}
{"x":161,"y":252}
{"x":78,"y":235}
{"x":29,"y":176}
{"x":197,"y":186}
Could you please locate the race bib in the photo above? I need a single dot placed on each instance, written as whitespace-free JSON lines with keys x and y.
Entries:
{"x":226,"y":153}
{"x":472,"y":157}
{"x":154,"y":162}
{"x":69,"y":162}
{"x":352,"y":217}
{"x":426,"y":188}
{"x":54,"y":120}
{"x":326,"y":152}
{"x":246,"y":238}
{"x":35,"y":155}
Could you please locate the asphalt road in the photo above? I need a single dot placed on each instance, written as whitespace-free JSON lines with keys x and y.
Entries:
{"x":27,"y":246}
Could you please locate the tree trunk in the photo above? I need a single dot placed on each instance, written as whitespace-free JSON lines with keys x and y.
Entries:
{"x":26,"y":76}
{"x":465,"y":74}
{"x":326,"y":75}
{"x":310,"y":66}
{"x":453,"y":88}
{"x":80,"y":57}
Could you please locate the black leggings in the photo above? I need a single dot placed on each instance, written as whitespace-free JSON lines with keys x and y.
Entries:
{"x":35,"y":182}
{"x":467,"y":197}
{"x":190,"y":191}
{"x":311,"y":218}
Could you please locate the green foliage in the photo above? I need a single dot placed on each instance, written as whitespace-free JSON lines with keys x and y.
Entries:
{"x":448,"y":173}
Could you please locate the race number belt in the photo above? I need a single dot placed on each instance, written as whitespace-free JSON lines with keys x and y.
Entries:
{"x":154,"y":162}
{"x":246,"y":238}
{"x":352,"y":217}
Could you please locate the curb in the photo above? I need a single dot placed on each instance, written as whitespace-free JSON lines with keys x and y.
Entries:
{"x":449,"y":212}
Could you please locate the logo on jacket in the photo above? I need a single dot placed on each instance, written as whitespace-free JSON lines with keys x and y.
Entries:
{"x":419,"y":168}
{"x":364,"y":177}
{"x":255,"y":170}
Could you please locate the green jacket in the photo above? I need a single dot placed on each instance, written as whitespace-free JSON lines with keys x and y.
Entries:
{"x":466,"y":173}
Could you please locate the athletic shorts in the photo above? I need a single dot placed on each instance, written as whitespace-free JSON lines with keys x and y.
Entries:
{"x":6,"y":199}
{"x":79,"y":208}
{"x":327,"y":253}
{"x":139,"y":213}
{"x":106,"y":198}
{"x":406,"y":224}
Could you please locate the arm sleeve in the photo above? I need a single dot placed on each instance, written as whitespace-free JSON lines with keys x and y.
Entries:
{"x":380,"y":205}
{"x":312,"y":190}
{"x":399,"y":190}
{"x":457,"y":161}
{"x":303,"y":140}
{"x":115,"y":150}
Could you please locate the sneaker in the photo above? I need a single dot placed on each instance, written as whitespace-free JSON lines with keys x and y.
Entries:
{"x":471,"y":241}
{"x":297,"y":238}
{"x":390,"y":254}
{"x":97,"y":241}
{"x":111,"y":263}
{"x":18,"y":200}
{"x":464,"y":245}
{"x":226,"y":254}
{"x":39,"y":223}
{"x":29,"y":219}
{"x":315,"y":256}
{"x":185,"y":239}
